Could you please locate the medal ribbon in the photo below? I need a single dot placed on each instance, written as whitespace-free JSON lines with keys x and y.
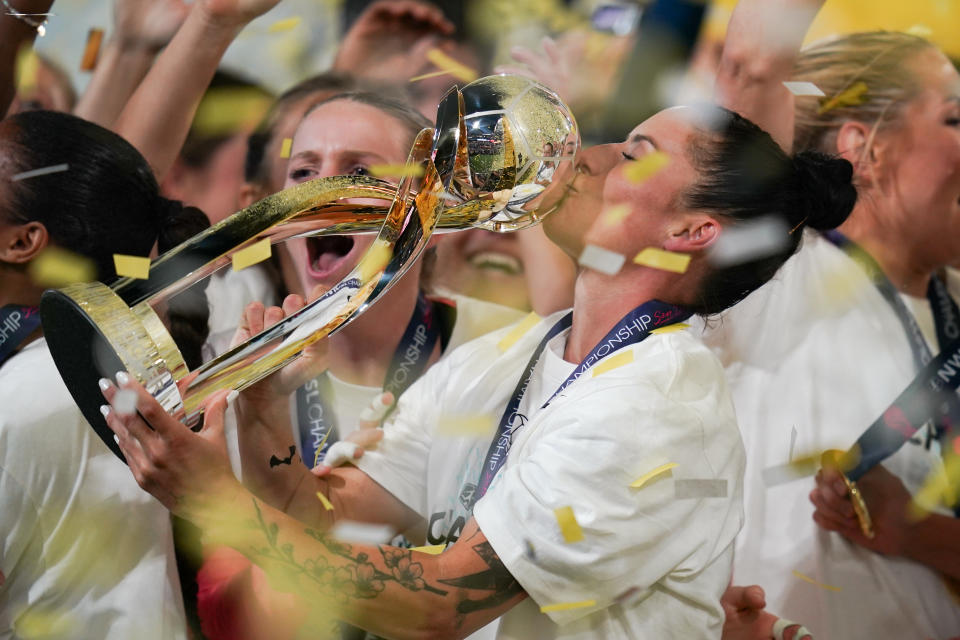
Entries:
{"x":318,"y":422}
{"x":632,"y":329}
{"x":17,"y":323}
{"x":931,"y":396}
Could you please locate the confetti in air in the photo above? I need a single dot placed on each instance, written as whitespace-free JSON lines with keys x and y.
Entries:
{"x":802,"y":467}
{"x":42,"y":171}
{"x":565,"y":606}
{"x":659,"y":472}
{"x":921,"y":31}
{"x":850,"y":97}
{"x":828,"y":587}
{"x":432,"y":549}
{"x":451,"y":66}
{"x":804,"y":89}
{"x":615,"y":215}
{"x":285,"y":147}
{"x":249,"y":256}
{"x":125,"y":402}
{"x":749,"y":241}
{"x":361,"y":532}
{"x":324,"y":501}
{"x":663,"y":260}
{"x":91,"y":51}
{"x":131,"y":266}
{"x":569,"y":526}
{"x":602,"y":260}
{"x":466,"y":425}
{"x":671,"y":328}
{"x":375,"y":260}
{"x":518,"y":331}
{"x":285,"y":25}
{"x":644,"y":167}
{"x":699,"y":488}
{"x":613,"y":362}
{"x":396,"y":170}
{"x":793,"y":441}
{"x":56,"y":267}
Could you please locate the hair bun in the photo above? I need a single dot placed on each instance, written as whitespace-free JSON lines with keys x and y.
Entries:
{"x":826,"y":185}
{"x":176,"y":223}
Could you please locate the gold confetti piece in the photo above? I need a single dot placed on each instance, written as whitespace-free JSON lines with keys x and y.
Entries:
{"x":644,"y":167}
{"x":249,"y":256}
{"x":284,"y":25}
{"x":850,"y":97}
{"x":56,"y":267}
{"x":92,"y":50}
{"x":227,"y":110}
{"x":649,"y":475}
{"x":613,"y":362}
{"x":615,"y":215}
{"x":518,"y":331}
{"x":569,"y":526}
{"x":375,"y":260}
{"x":602,"y":260}
{"x":670,"y":328}
{"x":804,"y":89}
{"x":131,"y":266}
{"x":285,"y":147}
{"x":396,"y":170}
{"x":828,"y":587}
{"x":454,"y":68}
{"x":465,"y":425}
{"x":661,"y":259}
{"x":432,"y":74}
{"x":28,"y":66}
{"x":432,"y":549}
{"x":564,"y":606}
{"x":803,"y":467}
{"x":323,"y":499}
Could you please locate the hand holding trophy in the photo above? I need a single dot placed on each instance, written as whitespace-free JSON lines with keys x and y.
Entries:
{"x":493,"y":161}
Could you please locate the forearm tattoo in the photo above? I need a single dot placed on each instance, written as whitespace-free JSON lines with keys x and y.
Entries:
{"x":276,"y":462}
{"x":495,"y":578}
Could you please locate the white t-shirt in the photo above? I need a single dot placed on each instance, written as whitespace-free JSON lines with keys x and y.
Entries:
{"x":85,"y":551}
{"x":655,"y":565}
{"x":820,"y":351}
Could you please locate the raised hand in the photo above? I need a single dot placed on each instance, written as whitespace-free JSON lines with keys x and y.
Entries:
{"x":235,"y":12}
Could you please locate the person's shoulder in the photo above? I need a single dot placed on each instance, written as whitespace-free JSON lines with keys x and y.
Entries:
{"x":515,"y":340}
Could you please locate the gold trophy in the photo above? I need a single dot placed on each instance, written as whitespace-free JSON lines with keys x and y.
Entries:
{"x":490,"y":162}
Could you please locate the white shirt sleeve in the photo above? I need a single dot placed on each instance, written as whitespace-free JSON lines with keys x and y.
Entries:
{"x":585,"y":457}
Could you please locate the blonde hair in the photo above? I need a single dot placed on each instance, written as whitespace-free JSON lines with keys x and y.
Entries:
{"x":878,"y":60}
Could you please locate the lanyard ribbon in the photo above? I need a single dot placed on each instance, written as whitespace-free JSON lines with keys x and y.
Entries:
{"x":17,"y":323}
{"x":315,"y":415}
{"x":632,"y":329}
{"x":932,"y":393}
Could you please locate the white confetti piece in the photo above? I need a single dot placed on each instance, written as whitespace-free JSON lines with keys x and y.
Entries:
{"x":700,"y":488}
{"x":362,"y":532}
{"x":125,"y":402}
{"x":57,"y":168}
{"x":784,"y":473}
{"x":793,"y":441}
{"x":749,"y":241}
{"x":804,"y":89}
{"x":602,"y":260}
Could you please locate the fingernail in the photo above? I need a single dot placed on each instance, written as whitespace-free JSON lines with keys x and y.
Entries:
{"x":104,"y":384}
{"x":122,"y":378}
{"x":116,"y":438}
{"x":232,"y":397}
{"x":105,"y":410}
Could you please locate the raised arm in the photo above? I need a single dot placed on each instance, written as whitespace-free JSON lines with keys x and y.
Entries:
{"x":16,"y":32}
{"x":141,"y":29}
{"x":387,"y":590}
{"x":763,"y":39}
{"x":158,"y":116}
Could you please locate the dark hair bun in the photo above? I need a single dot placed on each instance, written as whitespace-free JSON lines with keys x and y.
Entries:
{"x":826,"y":185}
{"x":177,"y":223}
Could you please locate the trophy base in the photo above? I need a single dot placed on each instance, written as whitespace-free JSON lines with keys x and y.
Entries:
{"x":93,"y":334}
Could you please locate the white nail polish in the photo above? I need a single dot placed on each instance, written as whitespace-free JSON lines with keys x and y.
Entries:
{"x":232,"y":397}
{"x":122,"y":378}
{"x":116,"y":438}
{"x":104,"y":384}
{"x":105,"y":410}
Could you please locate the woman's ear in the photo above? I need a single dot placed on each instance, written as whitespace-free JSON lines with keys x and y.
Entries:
{"x":21,"y":243}
{"x":696,"y":233}
{"x":852,"y":140}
